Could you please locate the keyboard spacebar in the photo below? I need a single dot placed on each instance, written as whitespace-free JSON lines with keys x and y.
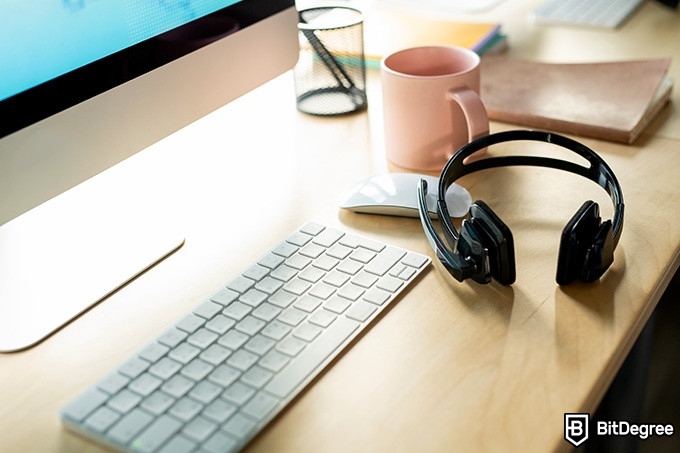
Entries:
{"x":309,"y":359}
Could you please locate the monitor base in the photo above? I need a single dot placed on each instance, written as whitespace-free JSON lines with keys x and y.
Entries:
{"x":66,"y":255}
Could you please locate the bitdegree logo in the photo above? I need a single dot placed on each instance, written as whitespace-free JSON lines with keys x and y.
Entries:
{"x":623,"y":428}
{"x":576,"y":428}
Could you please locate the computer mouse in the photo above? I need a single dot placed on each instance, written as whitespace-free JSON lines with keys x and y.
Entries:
{"x":396,"y":194}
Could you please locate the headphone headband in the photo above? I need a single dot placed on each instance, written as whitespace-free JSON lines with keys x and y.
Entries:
{"x":598,"y":171}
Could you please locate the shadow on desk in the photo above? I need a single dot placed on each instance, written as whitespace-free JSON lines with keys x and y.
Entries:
{"x":646,"y":390}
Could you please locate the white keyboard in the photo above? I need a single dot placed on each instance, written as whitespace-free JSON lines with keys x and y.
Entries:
{"x":595,"y":13}
{"x":220,"y":374}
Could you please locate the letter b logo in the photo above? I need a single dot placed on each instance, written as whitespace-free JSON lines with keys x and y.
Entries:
{"x":576,"y":428}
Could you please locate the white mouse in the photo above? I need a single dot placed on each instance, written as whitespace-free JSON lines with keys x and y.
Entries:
{"x":397,"y":194}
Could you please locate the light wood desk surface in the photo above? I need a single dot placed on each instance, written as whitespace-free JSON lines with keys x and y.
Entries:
{"x":450,"y":366}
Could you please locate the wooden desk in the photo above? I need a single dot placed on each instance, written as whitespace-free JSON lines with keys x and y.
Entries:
{"x":451,"y":366}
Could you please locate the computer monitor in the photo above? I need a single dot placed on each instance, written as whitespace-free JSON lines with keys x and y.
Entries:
{"x":84,"y":85}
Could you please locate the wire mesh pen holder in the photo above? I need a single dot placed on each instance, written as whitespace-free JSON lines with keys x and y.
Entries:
{"x":330,"y":75}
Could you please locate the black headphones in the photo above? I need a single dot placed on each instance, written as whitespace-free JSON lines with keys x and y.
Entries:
{"x":484,"y":248}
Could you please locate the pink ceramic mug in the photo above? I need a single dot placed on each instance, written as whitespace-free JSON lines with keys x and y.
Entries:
{"x":431,"y":105}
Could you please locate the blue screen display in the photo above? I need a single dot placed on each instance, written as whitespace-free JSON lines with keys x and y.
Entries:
{"x":43,"y":39}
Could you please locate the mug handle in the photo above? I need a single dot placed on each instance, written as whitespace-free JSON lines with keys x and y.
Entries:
{"x":475,"y":114}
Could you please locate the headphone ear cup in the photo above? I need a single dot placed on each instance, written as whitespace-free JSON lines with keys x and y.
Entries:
{"x":578,"y":237}
{"x":600,"y":255}
{"x":473,"y":249}
{"x":498,"y":241}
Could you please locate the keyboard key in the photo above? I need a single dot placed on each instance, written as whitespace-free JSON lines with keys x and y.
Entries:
{"x":292,"y":316}
{"x":250,"y":325}
{"x":202,"y":338}
{"x":156,"y":434}
{"x":199,"y":429}
{"x":186,"y":409}
{"x":165,"y":368}
{"x":178,"y":443}
{"x":145,"y":384}
{"x":233,"y":339}
{"x":157,"y":403}
{"x":266,"y":312}
{"x":362,"y":255}
{"x":102,"y":419}
{"x":298,"y":262}
{"x":238,"y":393}
{"x":271,"y":261}
{"x":254,"y":297}
{"x":239,"y":426}
{"x":414,"y":260}
{"x":285,"y":249}
{"x":134,"y":367}
{"x":307,"y":332}
{"x":153,"y":352}
{"x":172,"y":337}
{"x":191,"y":323}
{"x":384,"y":262}
{"x":219,"y":410}
{"x":361,"y":311}
{"x":312,"y":250}
{"x":177,"y":385}
{"x":260,"y":406}
{"x":299,"y":238}
{"x":297,"y":286}
{"x":282,"y":299}
{"x":291,"y":346}
{"x":377,"y":296}
{"x":208,"y":309}
{"x":390,"y":284}
{"x":322,"y":318}
{"x":274,"y":361}
{"x":241,"y":284}
{"x":237,"y":310}
{"x":205,"y":392}
{"x":224,"y":375}
{"x":184,"y":353}
{"x":197,"y":369}
{"x":242,"y":360}
{"x":129,"y":426}
{"x":220,"y":443}
{"x":256,"y":272}
{"x":312,"y":228}
{"x":354,"y":242}
{"x":276,"y":330}
{"x":256,"y":377}
{"x":124,"y":401}
{"x":284,"y":273}
{"x":351,"y":291}
{"x":308,"y":303}
{"x":113,"y":383}
{"x":82,"y":406}
{"x":337,"y":304}
{"x":215,"y":354}
{"x":269,"y":285}
{"x":220,"y":324}
{"x":224,"y":297}
{"x":364,"y":279}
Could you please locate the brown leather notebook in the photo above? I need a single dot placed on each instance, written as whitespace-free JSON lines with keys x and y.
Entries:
{"x":612,"y":101}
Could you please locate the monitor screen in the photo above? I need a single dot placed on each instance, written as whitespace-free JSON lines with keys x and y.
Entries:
{"x":85,"y":84}
{"x":58,"y":53}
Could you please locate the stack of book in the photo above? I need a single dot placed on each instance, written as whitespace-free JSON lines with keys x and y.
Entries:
{"x":609,"y":100}
{"x":387,"y":31}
